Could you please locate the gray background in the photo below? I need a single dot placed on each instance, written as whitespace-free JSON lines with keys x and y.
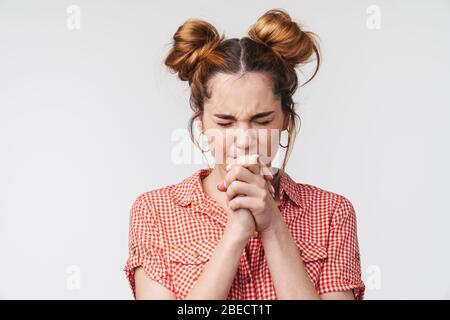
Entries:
{"x":86,"y":118}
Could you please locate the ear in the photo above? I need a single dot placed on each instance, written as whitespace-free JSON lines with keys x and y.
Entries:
{"x":198,"y":122}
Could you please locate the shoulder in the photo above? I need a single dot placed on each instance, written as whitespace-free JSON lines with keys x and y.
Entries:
{"x":161,"y":194}
{"x":319,"y":201}
{"x":150,"y":203}
{"x":324,"y":213}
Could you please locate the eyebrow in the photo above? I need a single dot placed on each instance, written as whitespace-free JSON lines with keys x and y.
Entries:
{"x":230,"y":117}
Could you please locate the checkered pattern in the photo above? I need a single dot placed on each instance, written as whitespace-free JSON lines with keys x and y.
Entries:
{"x":174,"y":231}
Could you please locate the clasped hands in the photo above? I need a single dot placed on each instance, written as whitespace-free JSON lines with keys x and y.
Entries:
{"x":248,"y":185}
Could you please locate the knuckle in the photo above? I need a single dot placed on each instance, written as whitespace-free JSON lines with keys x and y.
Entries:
{"x":261,"y":182}
{"x":261,"y":203}
{"x":238,"y":185}
{"x":230,"y":190}
{"x":264,"y":194}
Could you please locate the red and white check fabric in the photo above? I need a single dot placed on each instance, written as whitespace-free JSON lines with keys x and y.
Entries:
{"x":174,"y":230}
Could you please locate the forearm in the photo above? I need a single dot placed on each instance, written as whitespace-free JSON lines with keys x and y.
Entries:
{"x":285,"y":264}
{"x":215,"y":281}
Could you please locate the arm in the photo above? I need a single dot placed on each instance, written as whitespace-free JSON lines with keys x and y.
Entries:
{"x":149,"y":289}
{"x":145,"y":268}
{"x":215,"y":281}
{"x":286,"y":267}
{"x":342,"y":269}
{"x":341,"y":272}
{"x":285,"y":264}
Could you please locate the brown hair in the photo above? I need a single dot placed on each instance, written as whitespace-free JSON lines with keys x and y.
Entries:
{"x":275,"y":45}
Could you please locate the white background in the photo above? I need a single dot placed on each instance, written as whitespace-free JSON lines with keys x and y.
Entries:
{"x":86,"y":118}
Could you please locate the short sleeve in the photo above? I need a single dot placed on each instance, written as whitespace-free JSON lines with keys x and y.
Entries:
{"x":145,"y":248}
{"x":342,"y":268}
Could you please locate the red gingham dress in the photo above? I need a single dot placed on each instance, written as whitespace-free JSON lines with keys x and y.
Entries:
{"x":174,"y":231}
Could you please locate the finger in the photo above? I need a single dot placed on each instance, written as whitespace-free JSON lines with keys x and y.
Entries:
{"x":266,"y":170}
{"x":258,"y":164}
{"x":251,"y":162}
{"x":271,"y":189}
{"x":243,"y":174}
{"x":237,"y":173}
{"x":243,"y":202}
{"x":221,"y":187}
{"x":254,"y":168}
{"x":254,"y":163}
{"x":245,"y":161}
{"x":240,"y":188}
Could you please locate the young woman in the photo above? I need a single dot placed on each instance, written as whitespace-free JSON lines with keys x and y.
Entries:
{"x":235,"y":231}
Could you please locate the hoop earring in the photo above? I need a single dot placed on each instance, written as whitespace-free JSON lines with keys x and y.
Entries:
{"x":202,"y":144}
{"x":279,"y":140}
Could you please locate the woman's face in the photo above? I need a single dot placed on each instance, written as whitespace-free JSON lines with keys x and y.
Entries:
{"x":242,"y":117}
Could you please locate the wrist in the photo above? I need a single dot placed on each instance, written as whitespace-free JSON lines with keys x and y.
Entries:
{"x":276,"y":226}
{"x":235,"y":235}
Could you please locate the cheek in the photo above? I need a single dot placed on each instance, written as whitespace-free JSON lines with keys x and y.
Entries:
{"x":265,"y":140}
{"x":268,"y":142}
{"x":217,"y":141}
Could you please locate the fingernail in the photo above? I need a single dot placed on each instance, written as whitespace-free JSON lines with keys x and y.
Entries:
{"x":217,"y":186}
{"x":225,"y":183}
{"x":228,"y":167}
{"x":266,"y":171}
{"x":272,"y":190}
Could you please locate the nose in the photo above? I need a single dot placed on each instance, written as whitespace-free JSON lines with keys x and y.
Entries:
{"x":245,"y":140}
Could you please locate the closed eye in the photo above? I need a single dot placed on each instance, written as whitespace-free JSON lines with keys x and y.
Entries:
{"x":263,"y":123}
{"x":225,"y":124}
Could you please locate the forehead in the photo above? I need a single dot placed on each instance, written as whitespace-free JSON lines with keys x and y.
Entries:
{"x":250,"y":92}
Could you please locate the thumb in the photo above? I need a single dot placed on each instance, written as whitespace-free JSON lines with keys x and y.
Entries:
{"x":221,"y":187}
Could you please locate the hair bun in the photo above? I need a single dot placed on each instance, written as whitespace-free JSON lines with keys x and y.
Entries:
{"x":285,"y":37}
{"x":193,"y":42}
